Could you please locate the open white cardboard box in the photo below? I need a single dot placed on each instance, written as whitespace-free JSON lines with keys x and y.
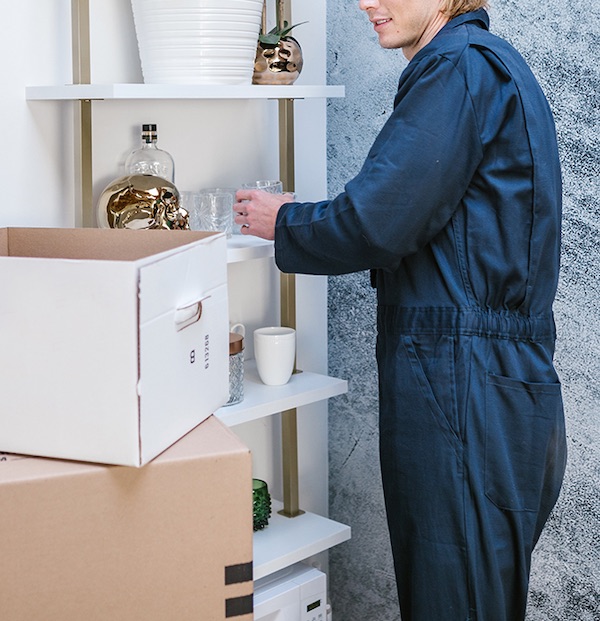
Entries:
{"x":113,"y":343}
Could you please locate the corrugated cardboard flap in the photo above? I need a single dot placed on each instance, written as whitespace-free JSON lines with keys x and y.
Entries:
{"x":94,"y":244}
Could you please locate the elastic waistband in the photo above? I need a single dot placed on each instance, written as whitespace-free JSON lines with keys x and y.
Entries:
{"x":466,"y":321}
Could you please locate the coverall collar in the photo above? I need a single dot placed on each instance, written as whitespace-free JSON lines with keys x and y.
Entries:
{"x":480,"y":15}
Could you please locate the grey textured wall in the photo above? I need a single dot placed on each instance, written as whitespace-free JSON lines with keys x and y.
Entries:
{"x":560,"y":40}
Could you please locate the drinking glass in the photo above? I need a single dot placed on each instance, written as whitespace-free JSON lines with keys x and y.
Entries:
{"x":190,"y":201}
{"x":268,"y":185}
{"x":216,"y":211}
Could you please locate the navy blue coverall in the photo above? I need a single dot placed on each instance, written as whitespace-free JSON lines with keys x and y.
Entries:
{"x":457,"y":209}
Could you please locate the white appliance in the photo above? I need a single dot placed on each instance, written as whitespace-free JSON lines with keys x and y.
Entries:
{"x":297,"y":593}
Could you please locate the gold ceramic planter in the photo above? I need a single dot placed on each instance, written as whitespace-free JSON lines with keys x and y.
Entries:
{"x":278,"y":64}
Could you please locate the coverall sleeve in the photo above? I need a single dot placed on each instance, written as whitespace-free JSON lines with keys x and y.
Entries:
{"x":411,"y":183}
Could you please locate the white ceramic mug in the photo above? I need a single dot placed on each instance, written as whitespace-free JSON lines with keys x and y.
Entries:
{"x":275,"y":352}
{"x":238,"y":328}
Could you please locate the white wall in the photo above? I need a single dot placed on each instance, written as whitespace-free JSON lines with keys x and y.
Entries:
{"x":37,"y":167}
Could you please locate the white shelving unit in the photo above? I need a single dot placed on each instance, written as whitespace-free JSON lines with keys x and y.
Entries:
{"x":286,"y":540}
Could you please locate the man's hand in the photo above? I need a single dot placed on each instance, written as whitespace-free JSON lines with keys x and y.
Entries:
{"x":256,"y":211}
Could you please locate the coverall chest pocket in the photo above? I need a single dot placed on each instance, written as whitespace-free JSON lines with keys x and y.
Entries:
{"x":521,"y":423}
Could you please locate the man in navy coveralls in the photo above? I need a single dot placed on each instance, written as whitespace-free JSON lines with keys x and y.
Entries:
{"x":457,"y":211}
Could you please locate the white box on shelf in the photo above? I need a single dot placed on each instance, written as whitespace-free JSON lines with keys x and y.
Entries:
{"x":297,"y":593}
{"x":114,"y":342}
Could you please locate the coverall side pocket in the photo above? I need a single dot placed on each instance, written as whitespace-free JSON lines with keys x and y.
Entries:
{"x":432,"y":362}
{"x":521,"y":420}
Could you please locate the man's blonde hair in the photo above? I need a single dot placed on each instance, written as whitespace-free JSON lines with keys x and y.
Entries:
{"x":453,"y":8}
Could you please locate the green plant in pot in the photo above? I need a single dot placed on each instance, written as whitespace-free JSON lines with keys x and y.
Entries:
{"x":278,"y":56}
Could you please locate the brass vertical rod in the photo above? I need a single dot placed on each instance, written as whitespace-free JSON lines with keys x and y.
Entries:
{"x":80,"y":31}
{"x":286,"y":144}
{"x":80,"y":35}
{"x":263,"y":23}
{"x":287,"y":176}
{"x":287,"y":285}
{"x":85,"y":163}
{"x":289,"y":440}
{"x":289,"y":423}
{"x":282,"y":13}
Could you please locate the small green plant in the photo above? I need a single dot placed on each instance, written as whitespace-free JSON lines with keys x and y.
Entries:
{"x":274,"y":36}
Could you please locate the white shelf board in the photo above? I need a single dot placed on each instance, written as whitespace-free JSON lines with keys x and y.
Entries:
{"x":286,"y":541}
{"x":247,"y":247}
{"x":261,"y":400}
{"x":181,"y":91}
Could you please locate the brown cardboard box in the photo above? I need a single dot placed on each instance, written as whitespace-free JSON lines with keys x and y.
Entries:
{"x":171,"y":541}
{"x":114,"y":342}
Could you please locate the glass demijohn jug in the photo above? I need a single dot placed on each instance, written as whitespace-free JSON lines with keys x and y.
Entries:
{"x":149,"y":159}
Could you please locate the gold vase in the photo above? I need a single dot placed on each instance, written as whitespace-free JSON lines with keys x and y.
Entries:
{"x":278,"y":64}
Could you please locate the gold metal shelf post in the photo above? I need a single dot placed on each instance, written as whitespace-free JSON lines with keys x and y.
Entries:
{"x":80,"y":30}
{"x":289,"y":418}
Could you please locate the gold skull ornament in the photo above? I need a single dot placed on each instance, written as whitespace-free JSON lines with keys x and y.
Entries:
{"x":278,"y":64}
{"x":141,"y":202}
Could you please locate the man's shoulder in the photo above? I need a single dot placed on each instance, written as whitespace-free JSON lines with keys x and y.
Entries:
{"x":472,"y":51}
{"x":467,"y":39}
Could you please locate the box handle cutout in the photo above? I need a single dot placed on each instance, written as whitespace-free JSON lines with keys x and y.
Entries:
{"x":187,"y":315}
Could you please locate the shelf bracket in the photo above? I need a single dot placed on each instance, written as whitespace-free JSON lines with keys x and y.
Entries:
{"x":80,"y":31}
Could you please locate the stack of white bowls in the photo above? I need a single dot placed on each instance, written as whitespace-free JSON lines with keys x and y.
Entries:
{"x":197,"y":41}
